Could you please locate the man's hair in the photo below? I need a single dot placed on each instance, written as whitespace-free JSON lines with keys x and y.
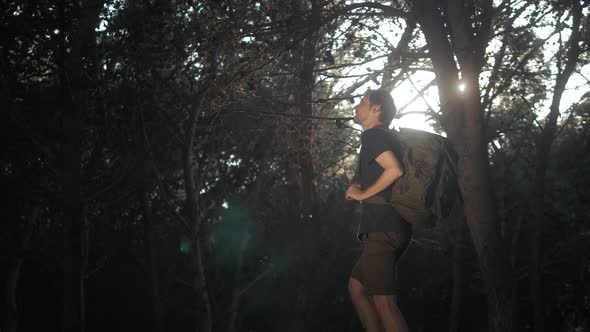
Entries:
{"x":382,"y":98}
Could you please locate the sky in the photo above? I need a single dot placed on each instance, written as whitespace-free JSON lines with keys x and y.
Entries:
{"x":406,"y":94}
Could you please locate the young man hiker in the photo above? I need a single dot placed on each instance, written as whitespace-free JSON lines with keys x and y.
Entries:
{"x":384,"y":233}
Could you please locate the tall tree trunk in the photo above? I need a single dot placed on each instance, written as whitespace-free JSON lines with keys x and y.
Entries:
{"x":9,"y":318}
{"x":582,"y":310}
{"x":544,"y":142}
{"x":481,"y":214}
{"x":192,"y":207}
{"x":201,"y":284}
{"x":305,"y":62}
{"x":152,"y":264}
{"x":237,"y":291}
{"x":72,"y":204}
{"x":458,"y":273}
{"x":305,"y":104}
{"x":76,"y":74}
{"x":8,"y":304}
{"x":74,"y":243}
{"x":463,"y":123}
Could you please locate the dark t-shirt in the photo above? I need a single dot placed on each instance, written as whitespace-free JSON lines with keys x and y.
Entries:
{"x":374,"y":217}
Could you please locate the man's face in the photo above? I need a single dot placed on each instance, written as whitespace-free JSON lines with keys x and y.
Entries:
{"x":362,"y":110}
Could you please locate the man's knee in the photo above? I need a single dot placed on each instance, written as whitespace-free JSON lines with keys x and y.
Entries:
{"x":384,"y":303}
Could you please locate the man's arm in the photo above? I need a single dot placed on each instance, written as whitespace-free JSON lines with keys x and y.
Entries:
{"x":392,"y":170}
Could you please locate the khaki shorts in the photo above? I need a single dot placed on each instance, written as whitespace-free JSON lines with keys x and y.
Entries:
{"x":376,"y":269}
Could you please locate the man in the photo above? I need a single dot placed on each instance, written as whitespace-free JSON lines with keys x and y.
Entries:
{"x":384,"y":233}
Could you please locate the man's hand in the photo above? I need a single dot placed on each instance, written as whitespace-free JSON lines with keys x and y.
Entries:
{"x":354,"y":193}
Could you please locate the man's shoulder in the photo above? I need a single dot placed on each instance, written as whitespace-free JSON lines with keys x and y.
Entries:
{"x":378,"y":134}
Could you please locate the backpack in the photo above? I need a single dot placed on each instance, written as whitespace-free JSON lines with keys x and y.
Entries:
{"x":428,"y":191}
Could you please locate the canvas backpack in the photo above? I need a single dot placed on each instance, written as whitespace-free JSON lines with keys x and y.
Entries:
{"x":428,"y":191}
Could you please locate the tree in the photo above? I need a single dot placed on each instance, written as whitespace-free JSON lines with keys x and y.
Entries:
{"x":455,"y":30}
{"x":570,"y":55}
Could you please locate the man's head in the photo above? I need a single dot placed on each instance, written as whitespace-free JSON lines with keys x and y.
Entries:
{"x":376,"y":107}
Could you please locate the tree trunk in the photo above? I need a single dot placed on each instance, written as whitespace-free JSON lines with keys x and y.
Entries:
{"x":304,"y":58}
{"x":463,"y":123}
{"x":152,"y":264}
{"x":8,"y":306}
{"x":76,"y":99}
{"x":582,"y":310}
{"x":481,"y":214}
{"x":74,"y":243}
{"x":192,"y":207}
{"x":544,"y":142}
{"x":200,"y":283}
{"x":237,"y":291}
{"x":304,"y":101}
{"x":458,"y":274}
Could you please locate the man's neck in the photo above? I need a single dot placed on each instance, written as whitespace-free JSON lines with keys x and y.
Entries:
{"x":372,"y":124}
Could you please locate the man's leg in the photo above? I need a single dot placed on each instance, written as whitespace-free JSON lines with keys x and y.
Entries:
{"x":389,"y":313}
{"x":364,"y":306}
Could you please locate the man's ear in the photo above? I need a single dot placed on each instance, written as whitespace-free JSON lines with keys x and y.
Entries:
{"x":376,"y":108}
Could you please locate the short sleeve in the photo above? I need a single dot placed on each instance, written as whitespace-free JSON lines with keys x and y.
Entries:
{"x":375,"y":141}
